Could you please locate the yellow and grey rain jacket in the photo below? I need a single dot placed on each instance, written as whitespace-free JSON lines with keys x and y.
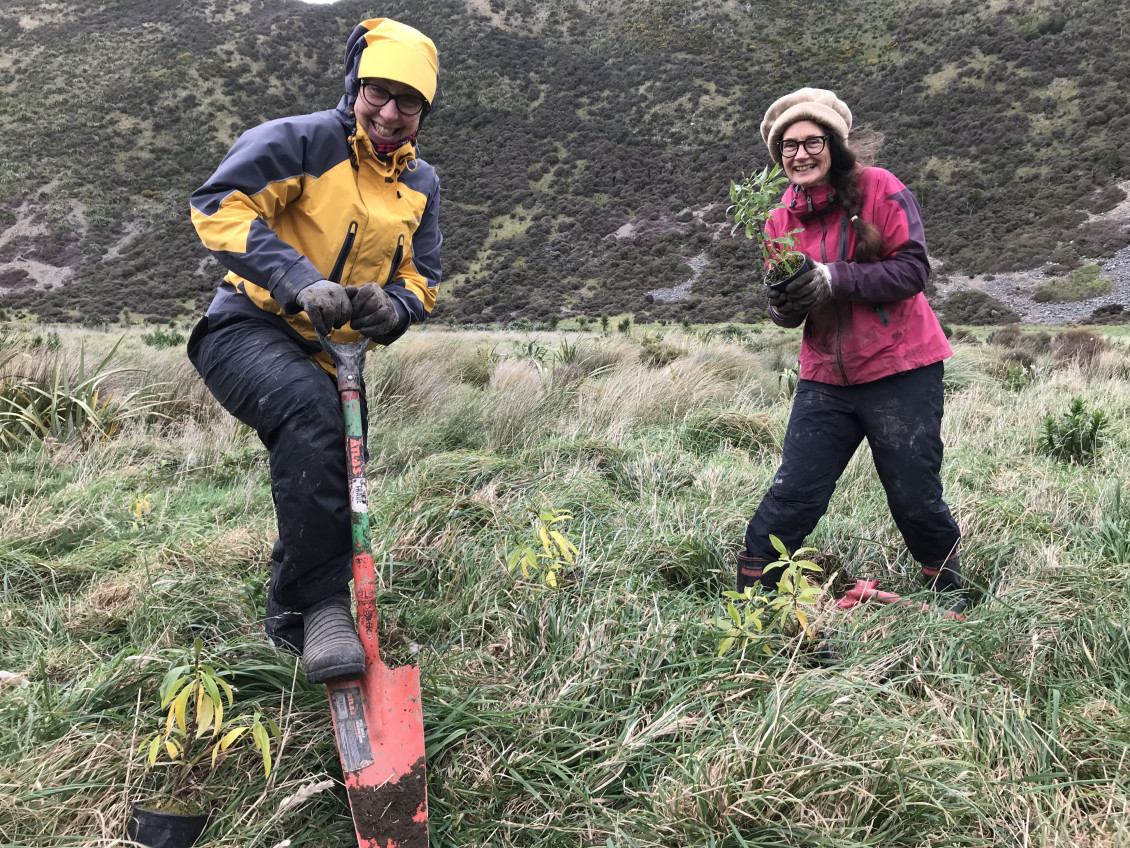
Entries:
{"x":306,"y":198}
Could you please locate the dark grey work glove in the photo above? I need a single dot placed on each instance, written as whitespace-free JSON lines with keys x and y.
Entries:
{"x":781,"y":304}
{"x":327,"y":305}
{"x":374,"y":314}
{"x":810,"y":290}
{"x":779,"y":300}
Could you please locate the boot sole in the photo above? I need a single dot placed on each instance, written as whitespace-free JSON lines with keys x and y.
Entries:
{"x":342,"y":671}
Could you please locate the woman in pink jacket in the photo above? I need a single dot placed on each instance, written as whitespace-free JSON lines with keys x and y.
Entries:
{"x":872,"y":351}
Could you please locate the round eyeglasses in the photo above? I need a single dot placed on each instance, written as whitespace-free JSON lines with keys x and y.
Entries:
{"x":377,"y":96}
{"x":812,"y":145}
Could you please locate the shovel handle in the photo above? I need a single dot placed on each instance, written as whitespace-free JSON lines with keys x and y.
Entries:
{"x":349,"y":360}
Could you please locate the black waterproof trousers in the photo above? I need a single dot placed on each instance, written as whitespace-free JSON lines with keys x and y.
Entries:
{"x":901,"y":418}
{"x":262,"y":372}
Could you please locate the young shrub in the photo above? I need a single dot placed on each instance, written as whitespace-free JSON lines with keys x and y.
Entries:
{"x":1076,"y":437}
{"x":788,"y":614}
{"x":160,"y":338}
{"x":754,"y":200}
{"x":1081,"y":284}
{"x":198,"y":734}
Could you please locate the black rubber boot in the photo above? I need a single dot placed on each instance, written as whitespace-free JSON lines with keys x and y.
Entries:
{"x":333,"y":650}
{"x":284,"y":626}
{"x":750,"y":571}
{"x":945,"y":578}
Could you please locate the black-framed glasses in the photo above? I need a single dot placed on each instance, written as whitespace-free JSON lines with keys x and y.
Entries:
{"x":377,"y":96}
{"x":812,"y":145}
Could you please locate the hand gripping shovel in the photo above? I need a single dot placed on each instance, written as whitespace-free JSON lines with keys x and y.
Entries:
{"x":377,"y":718}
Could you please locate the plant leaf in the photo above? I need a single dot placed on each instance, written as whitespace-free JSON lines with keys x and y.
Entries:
{"x":179,"y":707}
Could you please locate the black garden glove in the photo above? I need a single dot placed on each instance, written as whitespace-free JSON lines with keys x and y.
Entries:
{"x":374,"y":314}
{"x":811,"y":289}
{"x":326,"y":304}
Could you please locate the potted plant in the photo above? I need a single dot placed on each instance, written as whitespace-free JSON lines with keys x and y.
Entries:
{"x":197,"y":738}
{"x":754,"y":200}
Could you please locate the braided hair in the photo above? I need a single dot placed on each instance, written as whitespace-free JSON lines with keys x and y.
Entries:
{"x":844,"y":177}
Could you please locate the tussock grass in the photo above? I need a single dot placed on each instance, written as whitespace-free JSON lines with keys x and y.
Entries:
{"x":594,"y":714}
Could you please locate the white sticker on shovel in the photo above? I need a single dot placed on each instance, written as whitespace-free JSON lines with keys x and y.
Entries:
{"x":357,"y":499}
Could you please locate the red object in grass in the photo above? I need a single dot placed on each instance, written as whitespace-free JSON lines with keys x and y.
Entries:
{"x":868,"y":590}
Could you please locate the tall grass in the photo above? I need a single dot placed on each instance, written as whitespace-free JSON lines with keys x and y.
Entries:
{"x":598,"y":713}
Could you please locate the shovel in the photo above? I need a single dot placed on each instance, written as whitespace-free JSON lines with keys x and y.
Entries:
{"x":378,"y":721}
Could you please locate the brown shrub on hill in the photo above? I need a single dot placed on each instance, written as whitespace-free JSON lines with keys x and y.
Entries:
{"x":1080,"y":346}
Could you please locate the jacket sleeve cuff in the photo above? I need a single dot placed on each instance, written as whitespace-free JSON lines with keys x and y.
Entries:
{"x":404,"y":318}
{"x":286,"y":283}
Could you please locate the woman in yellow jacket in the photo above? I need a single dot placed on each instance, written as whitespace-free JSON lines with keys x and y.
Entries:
{"x":326,"y":221}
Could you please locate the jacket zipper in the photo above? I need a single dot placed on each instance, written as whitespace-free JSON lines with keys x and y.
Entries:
{"x":396,"y":257}
{"x":839,"y":314}
{"x":343,"y":254}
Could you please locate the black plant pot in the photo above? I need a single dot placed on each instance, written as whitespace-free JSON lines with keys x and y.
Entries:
{"x":165,"y":830}
{"x":805,"y":266}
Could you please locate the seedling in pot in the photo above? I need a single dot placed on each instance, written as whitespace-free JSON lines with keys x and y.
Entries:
{"x":198,"y":736}
{"x":754,"y":200}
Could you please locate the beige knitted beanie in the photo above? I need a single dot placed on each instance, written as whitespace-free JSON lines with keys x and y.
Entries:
{"x":805,"y":104}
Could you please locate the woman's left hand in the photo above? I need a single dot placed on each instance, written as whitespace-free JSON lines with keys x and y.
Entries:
{"x":373,"y":312}
{"x":811,"y":289}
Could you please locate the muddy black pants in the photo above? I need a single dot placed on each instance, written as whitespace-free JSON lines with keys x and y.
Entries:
{"x":901,"y":418}
{"x":262,"y":372}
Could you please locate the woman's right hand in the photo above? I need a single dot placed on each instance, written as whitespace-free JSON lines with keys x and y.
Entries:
{"x":326,"y":304}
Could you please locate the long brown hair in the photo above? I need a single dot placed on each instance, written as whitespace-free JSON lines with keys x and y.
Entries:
{"x":844,"y":177}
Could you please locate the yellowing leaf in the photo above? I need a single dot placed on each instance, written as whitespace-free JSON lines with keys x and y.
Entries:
{"x":231,"y":736}
{"x":205,"y":712}
{"x":732,"y":611}
{"x":179,"y":707}
{"x":228,"y":690}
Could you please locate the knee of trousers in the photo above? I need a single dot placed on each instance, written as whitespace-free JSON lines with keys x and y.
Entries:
{"x":308,"y":409}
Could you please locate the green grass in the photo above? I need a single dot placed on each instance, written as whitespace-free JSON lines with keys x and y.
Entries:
{"x":596,"y":714}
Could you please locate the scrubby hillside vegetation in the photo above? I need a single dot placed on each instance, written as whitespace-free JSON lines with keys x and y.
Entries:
{"x":585,"y":147}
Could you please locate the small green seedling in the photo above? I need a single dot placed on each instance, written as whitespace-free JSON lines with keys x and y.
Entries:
{"x":198,"y":734}
{"x":785,"y":614}
{"x":1075,"y":437}
{"x":548,"y":552}
{"x":753,"y":201}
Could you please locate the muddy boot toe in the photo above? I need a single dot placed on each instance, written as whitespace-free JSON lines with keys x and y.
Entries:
{"x":333,"y":650}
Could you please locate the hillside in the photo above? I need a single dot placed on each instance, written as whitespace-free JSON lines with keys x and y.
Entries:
{"x":585,"y":147}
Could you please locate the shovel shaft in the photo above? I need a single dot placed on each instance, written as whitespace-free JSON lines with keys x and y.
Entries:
{"x":364,"y":578}
{"x":378,"y":719}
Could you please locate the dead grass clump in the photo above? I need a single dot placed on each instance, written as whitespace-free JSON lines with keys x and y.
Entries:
{"x":516,"y":374}
{"x":1006,"y":336}
{"x":1078,"y":346}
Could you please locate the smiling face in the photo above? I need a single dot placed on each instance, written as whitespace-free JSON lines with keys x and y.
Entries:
{"x":807,"y":170}
{"x":384,"y":124}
